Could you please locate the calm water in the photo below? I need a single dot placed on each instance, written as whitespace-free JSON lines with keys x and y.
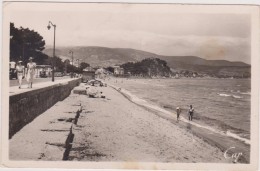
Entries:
{"x":220,"y":103}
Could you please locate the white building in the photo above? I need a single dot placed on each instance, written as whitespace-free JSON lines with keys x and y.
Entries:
{"x":118,"y":70}
{"x":39,"y":68}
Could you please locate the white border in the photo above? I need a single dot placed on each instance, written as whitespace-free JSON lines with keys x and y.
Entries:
{"x":254,"y":11}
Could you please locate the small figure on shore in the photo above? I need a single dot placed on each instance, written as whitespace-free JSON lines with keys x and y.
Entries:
{"x":30,"y":72}
{"x":191,"y":110}
{"x":178,"y":110}
{"x":20,"y":73}
{"x":102,"y":95}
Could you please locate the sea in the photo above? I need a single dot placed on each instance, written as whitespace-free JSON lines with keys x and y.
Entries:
{"x":221,"y":104}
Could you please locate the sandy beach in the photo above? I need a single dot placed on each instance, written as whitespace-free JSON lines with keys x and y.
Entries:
{"x":115,"y":129}
{"x":215,"y":121}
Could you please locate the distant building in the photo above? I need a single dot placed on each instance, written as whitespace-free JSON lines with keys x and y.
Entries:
{"x":100,"y":73}
{"x":89,"y":69}
{"x":75,"y":63}
{"x":39,"y":68}
{"x":87,"y":75}
{"x":118,"y":70}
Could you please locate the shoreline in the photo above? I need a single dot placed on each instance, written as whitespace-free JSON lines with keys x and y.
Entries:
{"x":169,"y":78}
{"x":220,"y":108}
{"x":206,"y":135}
{"x":115,"y":129}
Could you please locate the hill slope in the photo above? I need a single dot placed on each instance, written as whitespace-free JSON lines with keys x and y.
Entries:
{"x":103,"y":56}
{"x":148,"y":67}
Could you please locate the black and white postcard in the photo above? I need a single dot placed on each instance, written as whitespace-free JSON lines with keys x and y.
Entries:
{"x":130,"y":85}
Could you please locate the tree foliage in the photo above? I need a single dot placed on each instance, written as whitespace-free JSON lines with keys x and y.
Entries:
{"x":148,"y":67}
{"x":83,"y":65}
{"x":110,"y":69}
{"x":25,"y":43}
{"x":65,"y":66}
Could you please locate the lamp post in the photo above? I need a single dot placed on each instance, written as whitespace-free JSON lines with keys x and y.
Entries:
{"x":49,"y":27}
{"x":78,"y":62}
{"x":78,"y":65}
{"x":71,"y":52}
{"x":66,"y":63}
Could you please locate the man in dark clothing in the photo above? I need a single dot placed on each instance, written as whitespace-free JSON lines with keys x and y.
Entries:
{"x":191,"y":110}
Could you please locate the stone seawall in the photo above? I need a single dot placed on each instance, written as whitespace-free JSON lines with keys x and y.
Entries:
{"x":25,"y":107}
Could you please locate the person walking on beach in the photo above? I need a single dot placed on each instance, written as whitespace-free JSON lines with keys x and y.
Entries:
{"x":191,"y":110}
{"x":20,"y":73}
{"x":178,"y":110}
{"x":30,"y":72}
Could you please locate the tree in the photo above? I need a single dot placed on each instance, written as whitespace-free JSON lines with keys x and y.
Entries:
{"x":25,"y":43}
{"x":110,"y":69}
{"x":66,"y":63}
{"x":59,"y":65}
{"x":15,"y":43}
{"x":148,"y":67}
{"x":57,"y":62}
{"x":69,"y":68}
{"x":83,"y":65}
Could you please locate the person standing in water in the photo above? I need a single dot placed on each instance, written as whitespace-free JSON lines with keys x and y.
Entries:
{"x":191,"y":110}
{"x":178,"y":110}
{"x":30,"y":72}
{"x":20,"y":73}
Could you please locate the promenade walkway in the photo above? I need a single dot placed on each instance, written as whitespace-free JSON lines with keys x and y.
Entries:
{"x":15,"y":89}
{"x":48,"y":136}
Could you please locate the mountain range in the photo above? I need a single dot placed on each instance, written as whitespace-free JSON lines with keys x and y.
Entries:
{"x":104,"y":57}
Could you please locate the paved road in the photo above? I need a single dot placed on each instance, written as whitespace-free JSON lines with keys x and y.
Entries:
{"x":36,"y":80}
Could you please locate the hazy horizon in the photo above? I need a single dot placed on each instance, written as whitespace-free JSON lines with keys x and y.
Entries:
{"x":51,"y":47}
{"x":163,"y":29}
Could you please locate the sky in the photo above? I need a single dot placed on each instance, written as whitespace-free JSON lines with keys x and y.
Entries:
{"x":161,"y":29}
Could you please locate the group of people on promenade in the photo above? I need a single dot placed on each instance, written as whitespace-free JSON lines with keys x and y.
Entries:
{"x":190,"y":113}
{"x":29,"y":73}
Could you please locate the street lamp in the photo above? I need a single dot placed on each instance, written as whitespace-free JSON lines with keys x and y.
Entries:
{"x":49,"y":27}
{"x":78,"y":65}
{"x":78,"y":62}
{"x":71,"y":52}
